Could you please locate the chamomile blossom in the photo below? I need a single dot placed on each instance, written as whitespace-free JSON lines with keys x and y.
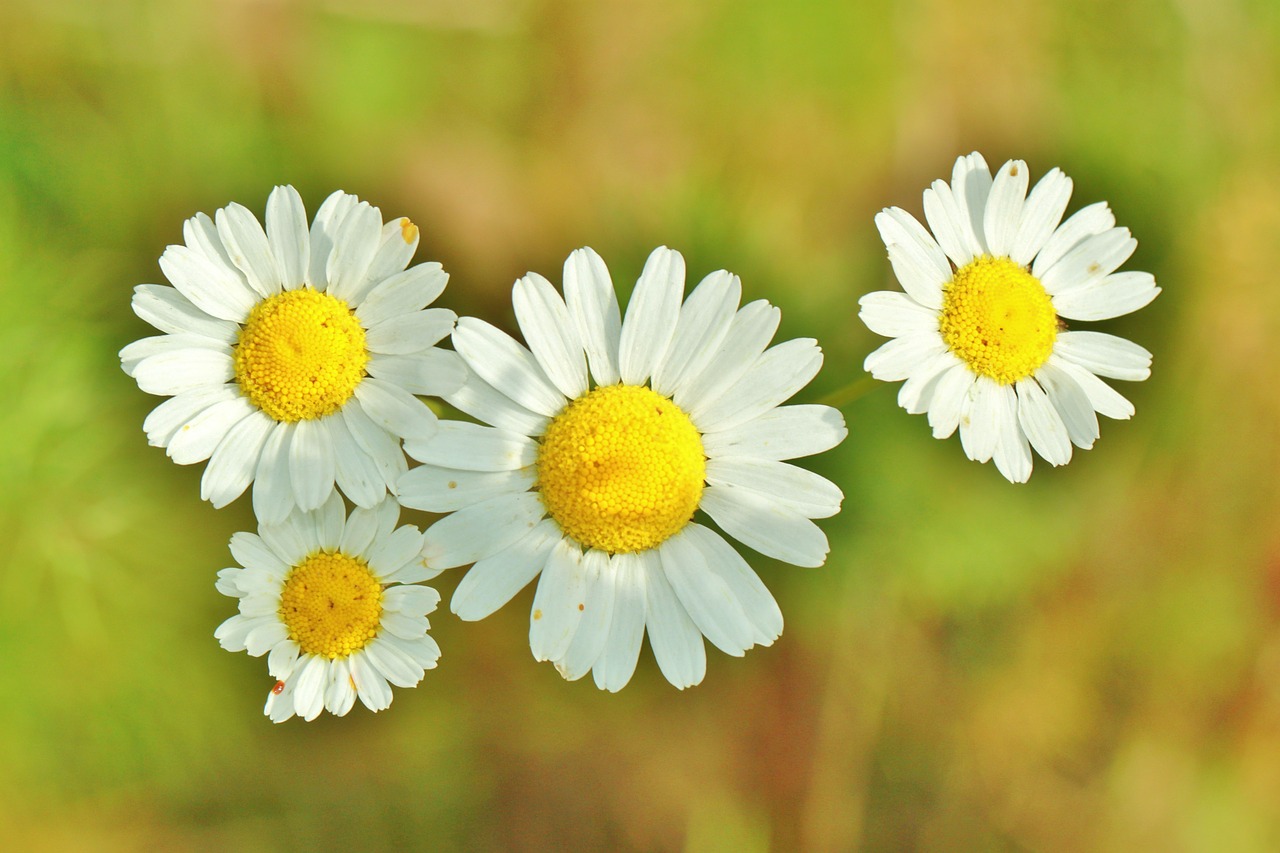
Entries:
{"x":980,"y":337}
{"x":333,"y":602}
{"x":606,"y":436}
{"x":293,"y":355}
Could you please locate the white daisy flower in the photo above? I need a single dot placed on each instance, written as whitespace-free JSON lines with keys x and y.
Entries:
{"x":979,"y":335}
{"x":333,"y":603}
{"x":292,"y":354}
{"x":607,"y":435}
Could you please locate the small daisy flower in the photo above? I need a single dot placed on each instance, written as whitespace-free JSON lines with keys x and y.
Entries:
{"x":292,"y":355}
{"x":979,"y":335}
{"x":333,"y":602}
{"x":607,"y":435}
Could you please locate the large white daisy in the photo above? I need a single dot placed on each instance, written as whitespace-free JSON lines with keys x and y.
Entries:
{"x":607,"y":436}
{"x":333,"y":602}
{"x":293,"y":354}
{"x":979,"y":335}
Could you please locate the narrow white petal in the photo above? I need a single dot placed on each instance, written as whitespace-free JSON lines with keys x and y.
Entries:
{"x":1105,"y":355}
{"x":196,"y":440}
{"x":390,"y":554}
{"x":264,"y":637}
{"x":510,"y":368}
{"x":396,"y":410}
{"x":1042,"y":424}
{"x":971,"y":186}
{"x":413,"y":331}
{"x":289,"y":236}
{"x":750,"y":592}
{"x":950,"y":224}
{"x":1041,"y":215}
{"x":558,"y":603}
{"x":396,"y":245}
{"x":235,"y":460}
{"x":899,"y":358}
{"x":893,"y":314}
{"x":473,"y":447}
{"x":916,"y":394}
{"x":949,"y":400}
{"x":593,"y":304}
{"x":166,"y":419}
{"x":918,"y":261}
{"x":333,"y":210}
{"x":652,"y":314}
{"x":1012,"y":453}
{"x":436,"y":489}
{"x":215,"y":290}
{"x":282,"y":660}
{"x":772,"y":529}
{"x":340,"y":692}
{"x":705,"y":596}
{"x":371,"y":687}
{"x":1004,"y":207}
{"x":308,"y":687}
{"x":411,"y":599}
{"x":749,"y":333}
{"x":1113,"y":296}
{"x":402,"y":293}
{"x":1072,"y":404}
{"x":311,"y":464}
{"x":787,"y":432}
{"x":552,"y":337}
{"x":773,"y":379}
{"x":980,"y":423}
{"x":676,"y":640}
{"x":355,"y":242}
{"x":397,"y":667}
{"x":805,"y":492}
{"x":1104,"y":399}
{"x":360,"y":531}
{"x":251,"y":552}
{"x":355,"y":472}
{"x":174,"y":371}
{"x":495,"y":580}
{"x":617,"y":661}
{"x":1084,"y":223}
{"x":481,"y":530}
{"x":247,"y":246}
{"x":480,"y":400}
{"x":704,"y":322}
{"x":434,"y":373}
{"x":169,"y":311}
{"x":380,"y":446}
{"x":1091,"y":260}
{"x":140,"y":350}
{"x":593,"y":628}
{"x":272,"y":490}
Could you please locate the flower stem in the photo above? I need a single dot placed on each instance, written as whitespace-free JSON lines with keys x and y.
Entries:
{"x":843,"y":397}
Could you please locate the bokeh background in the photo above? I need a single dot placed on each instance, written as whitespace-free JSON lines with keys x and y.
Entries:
{"x":1087,"y":662}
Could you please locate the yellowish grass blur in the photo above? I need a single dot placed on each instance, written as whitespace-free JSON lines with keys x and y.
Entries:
{"x":1088,"y":662}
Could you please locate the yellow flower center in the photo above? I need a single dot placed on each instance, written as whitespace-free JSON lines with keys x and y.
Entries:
{"x":331,"y":604}
{"x":301,"y":355}
{"x":621,"y":469}
{"x":998,"y":319}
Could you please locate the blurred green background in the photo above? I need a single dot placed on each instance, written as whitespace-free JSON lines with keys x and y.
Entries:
{"x":1088,"y":662}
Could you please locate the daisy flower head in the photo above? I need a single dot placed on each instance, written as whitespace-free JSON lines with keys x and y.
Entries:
{"x":292,"y":355}
{"x":333,"y":602}
{"x":980,"y":337}
{"x":604,"y":436}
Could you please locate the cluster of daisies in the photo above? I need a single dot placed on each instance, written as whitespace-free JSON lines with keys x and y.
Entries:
{"x":600,"y":455}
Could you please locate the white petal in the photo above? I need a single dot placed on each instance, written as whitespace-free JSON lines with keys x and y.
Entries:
{"x":1085,"y":222}
{"x":390,"y":554}
{"x":652,"y":314}
{"x":402,"y":293}
{"x":380,"y":446}
{"x":289,"y":236}
{"x":1042,"y":424}
{"x":410,"y":599}
{"x":749,"y":333}
{"x":436,"y":489}
{"x":251,"y":552}
{"x":434,"y":373}
{"x":593,"y":304}
{"x":172,"y":372}
{"x":1072,"y":404}
{"x":397,"y":667}
{"x":473,"y":447}
{"x":916,"y":394}
{"x":282,"y":660}
{"x":787,"y":432}
{"x":899,"y":358}
{"x":247,"y":247}
{"x":971,"y":186}
{"x":949,"y":401}
{"x":704,"y":322}
{"x":396,"y":245}
{"x":140,"y":350}
{"x":893,"y":314}
{"x":311,"y":464}
{"x":214,"y":289}
{"x":196,"y":440}
{"x":1091,"y":260}
{"x":1012,"y":454}
{"x":772,"y":529}
{"x":170,"y":416}
{"x":1041,"y":215}
{"x":1112,"y":296}
{"x":395,"y":409}
{"x":169,"y":311}
{"x":676,"y":641}
{"x":355,"y":242}
{"x":235,"y":460}
{"x":1004,"y":207}
{"x":481,"y":530}
{"x":324,"y":228}
{"x":548,"y":329}
{"x":1105,"y":355}
{"x":371,"y":687}
{"x":360,"y":531}
{"x":774,"y":378}
{"x":617,"y":660}
{"x":918,"y":261}
{"x":593,"y":627}
{"x":558,"y":603}
{"x":751,"y":594}
{"x":802,"y":491}
{"x":950,"y":224}
{"x":413,"y":331}
{"x":355,"y":471}
{"x":480,"y":400}
{"x":308,"y":687}
{"x":705,"y":596}
{"x":1104,"y":399}
{"x":340,"y":692}
{"x":980,"y":419}
{"x":264,"y":637}
{"x":495,"y":580}
{"x":272,"y":490}
{"x":510,"y":368}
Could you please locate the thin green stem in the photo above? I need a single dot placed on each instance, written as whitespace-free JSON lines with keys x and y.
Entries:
{"x":843,"y":397}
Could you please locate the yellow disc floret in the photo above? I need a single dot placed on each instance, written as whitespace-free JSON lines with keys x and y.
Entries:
{"x":998,"y":319}
{"x":621,"y":469}
{"x":301,"y":355}
{"x":331,"y":604}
